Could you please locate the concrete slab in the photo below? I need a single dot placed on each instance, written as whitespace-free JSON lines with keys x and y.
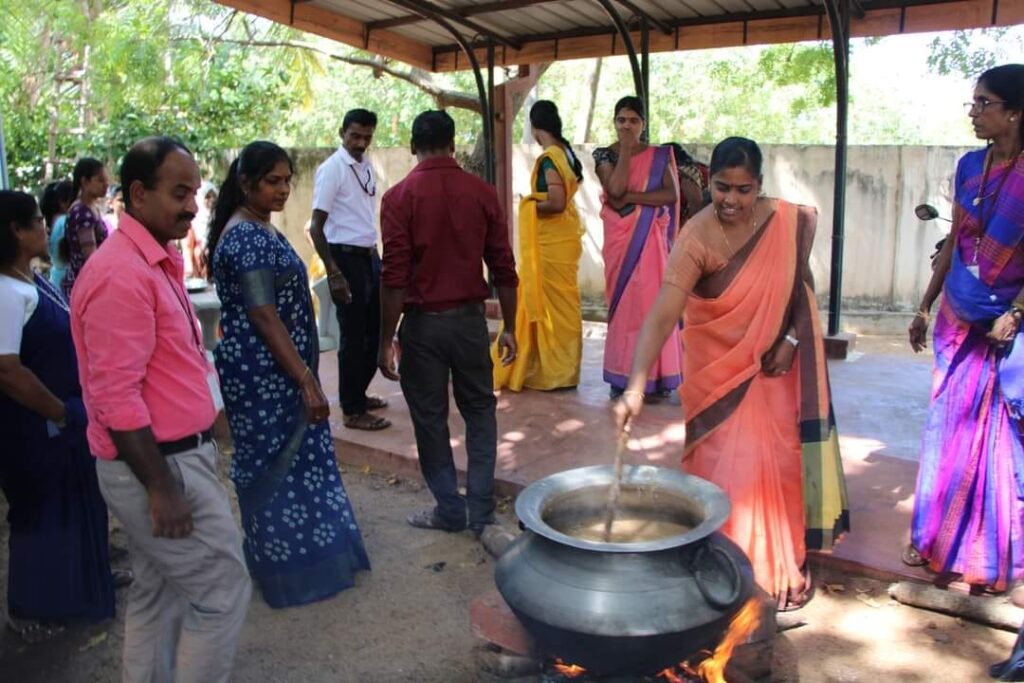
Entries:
{"x":880,"y":395}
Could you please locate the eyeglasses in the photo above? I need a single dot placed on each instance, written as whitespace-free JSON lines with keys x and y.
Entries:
{"x":981,"y":104}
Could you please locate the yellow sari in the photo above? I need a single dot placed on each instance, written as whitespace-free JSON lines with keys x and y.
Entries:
{"x":549,"y":328}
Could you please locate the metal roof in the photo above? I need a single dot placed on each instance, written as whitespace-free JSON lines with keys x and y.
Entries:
{"x":530,"y":31}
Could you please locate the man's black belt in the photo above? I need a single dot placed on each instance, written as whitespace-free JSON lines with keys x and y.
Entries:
{"x":188,"y":443}
{"x":457,"y":312}
{"x":350,"y":249}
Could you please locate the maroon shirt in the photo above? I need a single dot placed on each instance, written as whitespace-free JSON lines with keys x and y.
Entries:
{"x":438,"y":225}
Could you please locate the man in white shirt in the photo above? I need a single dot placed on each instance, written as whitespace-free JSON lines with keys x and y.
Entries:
{"x":344,"y":232}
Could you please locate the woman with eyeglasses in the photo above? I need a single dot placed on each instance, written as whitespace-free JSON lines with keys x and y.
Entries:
{"x":59,"y":567}
{"x":969,"y":506}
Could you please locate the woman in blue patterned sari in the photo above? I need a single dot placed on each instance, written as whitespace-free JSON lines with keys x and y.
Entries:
{"x":302,"y":543}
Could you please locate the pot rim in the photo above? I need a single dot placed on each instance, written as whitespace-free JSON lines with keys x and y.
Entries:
{"x":530,"y":504}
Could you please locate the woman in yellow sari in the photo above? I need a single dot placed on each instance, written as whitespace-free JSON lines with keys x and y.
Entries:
{"x":758,"y":410}
{"x":549,"y":328}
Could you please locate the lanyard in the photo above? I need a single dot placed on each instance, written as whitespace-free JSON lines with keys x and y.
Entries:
{"x":187,"y":309}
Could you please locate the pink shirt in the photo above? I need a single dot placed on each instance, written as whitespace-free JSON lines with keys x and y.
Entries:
{"x":140,"y":353}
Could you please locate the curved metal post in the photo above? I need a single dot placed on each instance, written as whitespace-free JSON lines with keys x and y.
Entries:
{"x":627,"y":40}
{"x":490,"y":158}
{"x":839,"y":20}
{"x":486,"y":112}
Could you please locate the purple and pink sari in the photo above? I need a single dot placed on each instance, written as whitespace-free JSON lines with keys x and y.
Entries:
{"x":636,"y":248}
{"x":969,"y":507}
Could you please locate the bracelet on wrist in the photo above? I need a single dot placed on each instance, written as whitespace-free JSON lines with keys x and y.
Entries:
{"x":922,"y":313}
{"x":792,"y":340}
{"x":630,"y":392}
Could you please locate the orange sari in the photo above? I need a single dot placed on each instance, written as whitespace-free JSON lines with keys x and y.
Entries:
{"x":769,"y":442}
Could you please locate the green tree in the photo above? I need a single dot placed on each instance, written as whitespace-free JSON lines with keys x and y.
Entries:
{"x":969,"y":53}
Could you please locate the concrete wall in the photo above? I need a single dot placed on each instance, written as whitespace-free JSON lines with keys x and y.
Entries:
{"x":886,"y":247}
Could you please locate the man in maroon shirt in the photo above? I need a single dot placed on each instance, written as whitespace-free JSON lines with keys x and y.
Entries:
{"x":438,"y":225}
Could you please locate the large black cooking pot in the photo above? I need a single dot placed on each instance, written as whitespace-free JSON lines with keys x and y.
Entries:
{"x":623,"y":607}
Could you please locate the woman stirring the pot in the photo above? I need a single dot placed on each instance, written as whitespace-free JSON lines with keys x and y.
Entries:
{"x":759,"y":422}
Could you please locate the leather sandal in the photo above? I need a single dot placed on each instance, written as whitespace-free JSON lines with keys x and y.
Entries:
{"x":374,"y":402}
{"x":366,"y":422}
{"x":428,"y":519}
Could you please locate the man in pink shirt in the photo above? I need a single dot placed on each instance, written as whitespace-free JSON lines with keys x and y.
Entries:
{"x":151,"y":396}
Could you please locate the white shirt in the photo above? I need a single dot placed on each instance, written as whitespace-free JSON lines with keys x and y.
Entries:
{"x":345,"y":189}
{"x":18,"y":301}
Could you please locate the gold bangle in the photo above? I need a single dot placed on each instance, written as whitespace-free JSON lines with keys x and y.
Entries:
{"x":921,"y":313}
{"x":633,"y":393}
{"x":305,"y":372}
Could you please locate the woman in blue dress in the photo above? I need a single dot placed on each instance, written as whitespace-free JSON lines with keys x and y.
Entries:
{"x":59,"y":567}
{"x":55,"y":202}
{"x":302,"y":543}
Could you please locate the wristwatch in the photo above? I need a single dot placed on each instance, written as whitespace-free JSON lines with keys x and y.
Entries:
{"x":792,"y":340}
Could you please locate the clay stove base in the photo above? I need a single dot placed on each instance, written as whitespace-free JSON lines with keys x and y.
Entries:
{"x":507,"y":653}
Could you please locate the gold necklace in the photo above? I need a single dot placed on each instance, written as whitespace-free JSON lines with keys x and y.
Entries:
{"x":753,"y":226}
{"x":256,"y":218}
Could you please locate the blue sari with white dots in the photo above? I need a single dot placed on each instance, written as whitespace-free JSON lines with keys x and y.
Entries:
{"x":302,"y":542}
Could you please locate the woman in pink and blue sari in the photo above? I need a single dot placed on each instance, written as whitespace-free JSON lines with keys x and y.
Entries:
{"x":969,"y":507}
{"x":639,"y":206}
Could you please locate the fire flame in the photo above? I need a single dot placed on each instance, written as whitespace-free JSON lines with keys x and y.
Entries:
{"x":712,"y":668}
{"x":670,"y":676}
{"x":569,"y":670}
{"x":742,"y":625}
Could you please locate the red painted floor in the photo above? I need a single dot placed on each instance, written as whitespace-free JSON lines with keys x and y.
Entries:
{"x":880,"y":397}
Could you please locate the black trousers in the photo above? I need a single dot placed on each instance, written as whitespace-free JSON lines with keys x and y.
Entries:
{"x":359,"y":322}
{"x":434,"y":349}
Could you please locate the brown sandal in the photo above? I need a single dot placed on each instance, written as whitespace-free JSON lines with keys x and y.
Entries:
{"x":376,"y":402}
{"x":366,"y":422}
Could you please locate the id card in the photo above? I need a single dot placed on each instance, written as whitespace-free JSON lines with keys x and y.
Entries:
{"x":974,"y":270}
{"x":214,"y":384}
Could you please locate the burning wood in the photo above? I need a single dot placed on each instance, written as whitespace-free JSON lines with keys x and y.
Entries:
{"x":742,"y":625}
{"x":568,"y":670}
{"x":711,"y":668}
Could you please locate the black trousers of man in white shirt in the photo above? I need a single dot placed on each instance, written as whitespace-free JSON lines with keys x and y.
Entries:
{"x":359,"y":322}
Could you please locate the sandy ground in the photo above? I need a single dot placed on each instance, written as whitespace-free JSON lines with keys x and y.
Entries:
{"x":408,"y":620}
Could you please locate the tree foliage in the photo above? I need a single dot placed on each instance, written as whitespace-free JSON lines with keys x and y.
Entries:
{"x":92,"y":76}
{"x":969,"y":53}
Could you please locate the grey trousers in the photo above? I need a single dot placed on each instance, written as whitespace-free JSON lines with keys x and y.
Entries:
{"x":190,"y":595}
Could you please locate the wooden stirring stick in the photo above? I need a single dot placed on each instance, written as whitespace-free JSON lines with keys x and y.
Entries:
{"x":612,"y":505}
